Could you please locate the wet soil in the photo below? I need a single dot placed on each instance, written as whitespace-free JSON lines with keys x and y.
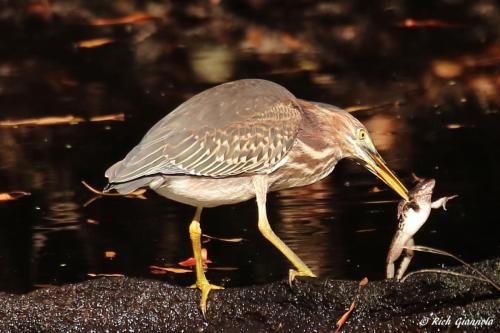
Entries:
{"x":311,"y":305}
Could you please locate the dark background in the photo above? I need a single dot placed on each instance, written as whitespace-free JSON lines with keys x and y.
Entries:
{"x":426,"y":75}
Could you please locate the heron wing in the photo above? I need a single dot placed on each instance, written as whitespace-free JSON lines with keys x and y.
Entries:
{"x":213,"y":135}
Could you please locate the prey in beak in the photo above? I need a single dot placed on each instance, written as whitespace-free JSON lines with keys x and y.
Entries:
{"x":376,"y":165}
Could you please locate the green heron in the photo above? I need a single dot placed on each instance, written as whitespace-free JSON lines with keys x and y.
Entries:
{"x":241,"y":140}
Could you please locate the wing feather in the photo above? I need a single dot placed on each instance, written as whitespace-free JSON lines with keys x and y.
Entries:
{"x":250,"y":139}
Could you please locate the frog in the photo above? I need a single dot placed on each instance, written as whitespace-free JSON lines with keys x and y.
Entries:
{"x":412,"y":215}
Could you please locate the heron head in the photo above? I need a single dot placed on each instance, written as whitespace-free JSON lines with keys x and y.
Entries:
{"x":353,"y":141}
{"x":359,"y":146}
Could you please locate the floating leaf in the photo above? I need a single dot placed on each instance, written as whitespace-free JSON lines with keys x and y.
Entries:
{"x":14,"y":195}
{"x":108,"y":117}
{"x":93,"y":222}
{"x":454,"y":126}
{"x":157,"y":269}
{"x":135,"y":18}
{"x":413,"y":23}
{"x":385,"y":105}
{"x":365,"y":230}
{"x":110,"y":254}
{"x":62,"y":120}
{"x":224,"y":268}
{"x":42,"y":121}
{"x":229,"y":240}
{"x":190,"y":262}
{"x":104,"y":274}
{"x":91,"y":43}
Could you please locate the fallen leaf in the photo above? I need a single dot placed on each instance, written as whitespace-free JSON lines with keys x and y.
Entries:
{"x":135,"y":18}
{"x":345,"y":316}
{"x":363,"y":283}
{"x":169,"y":269}
{"x":91,"y":43}
{"x":14,"y":195}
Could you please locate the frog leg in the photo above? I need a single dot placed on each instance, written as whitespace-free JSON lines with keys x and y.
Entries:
{"x":408,"y":256}
{"x":441,"y":202}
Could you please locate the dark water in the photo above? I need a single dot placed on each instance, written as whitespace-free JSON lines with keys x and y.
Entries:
{"x":444,"y":125}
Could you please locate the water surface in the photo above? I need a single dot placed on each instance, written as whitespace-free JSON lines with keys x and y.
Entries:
{"x":425,"y":116}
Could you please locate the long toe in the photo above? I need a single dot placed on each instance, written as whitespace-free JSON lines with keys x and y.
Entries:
{"x":205,"y":289}
{"x":292,"y":274}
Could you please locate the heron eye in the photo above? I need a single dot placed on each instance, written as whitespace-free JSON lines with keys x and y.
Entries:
{"x":361,"y":134}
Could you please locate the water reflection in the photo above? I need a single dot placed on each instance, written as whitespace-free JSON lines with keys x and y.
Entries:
{"x":62,"y":212}
{"x":308,"y":225}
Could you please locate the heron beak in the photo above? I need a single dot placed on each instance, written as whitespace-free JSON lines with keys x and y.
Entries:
{"x":377,"y":166}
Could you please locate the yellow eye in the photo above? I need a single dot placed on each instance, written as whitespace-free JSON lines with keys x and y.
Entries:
{"x":361,"y":134}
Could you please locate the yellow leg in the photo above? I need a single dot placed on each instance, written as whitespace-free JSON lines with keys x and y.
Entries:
{"x":260,"y":185}
{"x":201,"y":280}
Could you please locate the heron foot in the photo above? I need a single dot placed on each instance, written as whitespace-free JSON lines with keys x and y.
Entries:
{"x":292,"y":274}
{"x":205,"y":289}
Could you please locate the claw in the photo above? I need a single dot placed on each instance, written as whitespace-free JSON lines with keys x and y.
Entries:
{"x":205,"y":289}
{"x":292,"y":274}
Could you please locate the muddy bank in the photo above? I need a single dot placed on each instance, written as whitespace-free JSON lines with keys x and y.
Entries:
{"x":131,"y":304}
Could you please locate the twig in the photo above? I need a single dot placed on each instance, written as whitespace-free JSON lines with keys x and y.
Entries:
{"x":136,"y":194}
{"x":442,"y":271}
{"x":444,"y":253}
